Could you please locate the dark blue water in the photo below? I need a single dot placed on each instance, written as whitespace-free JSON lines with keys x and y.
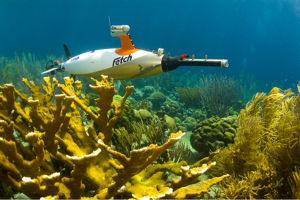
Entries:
{"x":258,"y":37}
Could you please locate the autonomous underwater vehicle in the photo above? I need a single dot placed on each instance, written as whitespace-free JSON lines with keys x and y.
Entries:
{"x":127,"y":62}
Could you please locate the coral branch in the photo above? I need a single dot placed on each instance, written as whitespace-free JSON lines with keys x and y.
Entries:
{"x":47,"y":151}
{"x":139,"y":160}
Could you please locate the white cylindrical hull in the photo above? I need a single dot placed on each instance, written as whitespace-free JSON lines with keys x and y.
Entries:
{"x":108,"y":62}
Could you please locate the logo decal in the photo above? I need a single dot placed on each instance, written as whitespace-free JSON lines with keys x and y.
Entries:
{"x":140,"y":67}
{"x":74,"y":59}
{"x":121,"y":60}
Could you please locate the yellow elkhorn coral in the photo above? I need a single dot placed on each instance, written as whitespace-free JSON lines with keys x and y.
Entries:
{"x":59,"y":141}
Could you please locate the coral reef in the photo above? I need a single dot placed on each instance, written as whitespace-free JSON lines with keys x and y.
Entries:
{"x":141,"y":184}
{"x":215,"y":95}
{"x":180,"y":152}
{"x":219,"y":93}
{"x":162,"y":82}
{"x":170,"y":123}
{"x":58,"y":140}
{"x":127,"y":115}
{"x":264,"y":159}
{"x":172,"y":108}
{"x":147,"y":91}
{"x":191,"y":96}
{"x":144,"y":134}
{"x":157,"y":99}
{"x":213,"y":133}
{"x":142,"y":115}
{"x":141,"y":104}
{"x":189,"y":123}
{"x":152,"y":131}
{"x":13,"y":69}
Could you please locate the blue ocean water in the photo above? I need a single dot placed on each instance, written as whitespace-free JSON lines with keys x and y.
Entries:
{"x":258,"y":37}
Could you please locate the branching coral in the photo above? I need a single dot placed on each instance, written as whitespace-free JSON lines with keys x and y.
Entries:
{"x":141,"y":185}
{"x":294,"y":182}
{"x":56,"y":134}
{"x":265,"y":156}
{"x":125,"y":142}
{"x":180,"y":152}
{"x":219,"y":93}
{"x":152,"y":130}
{"x":191,"y":96}
{"x":141,"y":104}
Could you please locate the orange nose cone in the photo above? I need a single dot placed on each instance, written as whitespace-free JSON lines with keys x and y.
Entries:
{"x":57,"y":61}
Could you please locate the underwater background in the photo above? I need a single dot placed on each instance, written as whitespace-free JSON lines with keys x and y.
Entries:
{"x":260,"y":39}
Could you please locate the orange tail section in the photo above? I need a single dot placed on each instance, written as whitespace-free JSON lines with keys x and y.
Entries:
{"x":127,"y":46}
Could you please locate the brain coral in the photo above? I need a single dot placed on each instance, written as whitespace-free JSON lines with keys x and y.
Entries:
{"x":142,"y":115}
{"x":213,"y":133}
{"x":157,"y":98}
{"x":170,"y":122}
{"x":172,"y":108}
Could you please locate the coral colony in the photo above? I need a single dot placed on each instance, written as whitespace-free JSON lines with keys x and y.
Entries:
{"x":56,"y":140}
{"x":69,"y":141}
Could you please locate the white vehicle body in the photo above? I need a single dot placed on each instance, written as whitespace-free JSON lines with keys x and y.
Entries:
{"x":108,"y":62}
{"x":126,"y":62}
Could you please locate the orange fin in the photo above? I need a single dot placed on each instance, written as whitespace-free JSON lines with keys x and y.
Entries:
{"x":127,"y":46}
